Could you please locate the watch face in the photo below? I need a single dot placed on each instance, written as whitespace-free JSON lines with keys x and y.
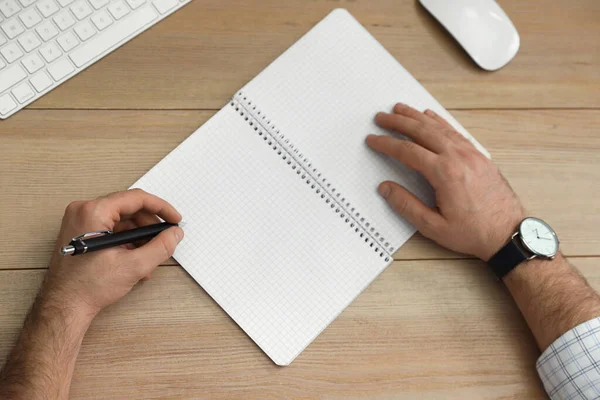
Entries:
{"x":538,"y":237}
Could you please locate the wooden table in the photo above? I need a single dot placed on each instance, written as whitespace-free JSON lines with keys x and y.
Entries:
{"x":432,"y":326}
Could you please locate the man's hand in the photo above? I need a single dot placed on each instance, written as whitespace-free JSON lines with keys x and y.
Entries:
{"x":93,"y":281}
{"x":76,"y":288}
{"x":477,"y":210}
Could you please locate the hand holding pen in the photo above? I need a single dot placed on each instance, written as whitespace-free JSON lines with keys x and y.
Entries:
{"x":100,"y":278}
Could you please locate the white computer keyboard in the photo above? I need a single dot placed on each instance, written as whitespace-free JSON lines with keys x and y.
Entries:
{"x":45,"y":42}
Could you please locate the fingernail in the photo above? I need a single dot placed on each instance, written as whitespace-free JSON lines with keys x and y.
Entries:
{"x":384,"y":190}
{"x":179,"y":234}
{"x":429,"y":112}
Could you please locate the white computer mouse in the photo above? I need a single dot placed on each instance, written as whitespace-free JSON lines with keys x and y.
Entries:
{"x":481,"y":27}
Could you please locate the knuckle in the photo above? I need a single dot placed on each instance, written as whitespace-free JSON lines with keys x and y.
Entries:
{"x":73,"y":207}
{"x":452,"y":170}
{"x":90,"y":207}
{"x":399,"y":203}
{"x":408,"y":145}
{"x":421,"y":129}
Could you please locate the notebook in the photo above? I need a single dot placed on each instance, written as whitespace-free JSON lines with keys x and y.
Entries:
{"x":278,"y":190}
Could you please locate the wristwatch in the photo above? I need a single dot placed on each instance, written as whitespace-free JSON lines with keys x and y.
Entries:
{"x":534,"y":238}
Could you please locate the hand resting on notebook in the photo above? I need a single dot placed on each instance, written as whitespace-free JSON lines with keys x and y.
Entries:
{"x":476,"y":213}
{"x":476,"y":208}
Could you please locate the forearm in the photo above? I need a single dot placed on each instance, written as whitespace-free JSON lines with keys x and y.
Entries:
{"x":553,"y":297}
{"x":42,"y":362}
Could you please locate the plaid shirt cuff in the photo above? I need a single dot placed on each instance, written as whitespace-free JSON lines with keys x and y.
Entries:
{"x":570,"y":367}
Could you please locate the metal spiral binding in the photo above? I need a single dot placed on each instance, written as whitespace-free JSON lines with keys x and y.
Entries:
{"x":266,"y":129}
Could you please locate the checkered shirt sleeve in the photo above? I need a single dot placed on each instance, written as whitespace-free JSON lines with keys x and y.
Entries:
{"x":570,"y":367}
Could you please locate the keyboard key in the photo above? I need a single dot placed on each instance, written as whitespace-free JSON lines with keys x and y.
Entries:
{"x":22,"y":93}
{"x":81,"y":9}
{"x":11,"y":76}
{"x":2,"y":40}
{"x":9,"y":8}
{"x":12,"y":28}
{"x":26,"y":3}
{"x":50,"y":52}
{"x":30,"y":18}
{"x":60,"y":69}
{"x":41,"y":81}
{"x":67,"y":41}
{"x":47,"y":7}
{"x":98,"y":4}
{"x":32,"y":63}
{"x":84,"y":30}
{"x":64,"y":3}
{"x":101,"y":20}
{"x":11,"y":53}
{"x":64,"y":20}
{"x":7,"y":104}
{"x":109,"y":38}
{"x":46,"y":30}
{"x":29,"y":41}
{"x":135,"y":3}
{"x":2,"y":64}
{"x":164,"y":5}
{"x":118,"y":9}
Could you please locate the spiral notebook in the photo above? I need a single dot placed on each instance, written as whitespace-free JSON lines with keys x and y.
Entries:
{"x":278,"y":191}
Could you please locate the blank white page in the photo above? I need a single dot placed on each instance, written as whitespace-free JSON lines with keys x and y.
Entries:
{"x":258,"y":238}
{"x":323,"y":94}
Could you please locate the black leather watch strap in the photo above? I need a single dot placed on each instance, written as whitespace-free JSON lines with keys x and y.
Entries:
{"x":507,"y":259}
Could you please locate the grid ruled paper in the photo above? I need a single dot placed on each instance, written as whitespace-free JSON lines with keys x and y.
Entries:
{"x":324,"y":92}
{"x":270,"y":251}
{"x":258,"y":239}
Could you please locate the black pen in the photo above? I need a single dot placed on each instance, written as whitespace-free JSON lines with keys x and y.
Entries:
{"x":93,"y":241}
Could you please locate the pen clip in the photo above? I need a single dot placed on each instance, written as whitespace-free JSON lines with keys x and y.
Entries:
{"x":91,"y":235}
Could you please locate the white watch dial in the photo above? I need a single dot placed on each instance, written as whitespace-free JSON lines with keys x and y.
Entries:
{"x":538,"y":237}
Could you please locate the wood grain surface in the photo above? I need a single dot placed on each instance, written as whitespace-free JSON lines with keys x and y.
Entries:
{"x":53,"y":157}
{"x":435,"y":325}
{"x":436,"y":329}
{"x":201,"y":55}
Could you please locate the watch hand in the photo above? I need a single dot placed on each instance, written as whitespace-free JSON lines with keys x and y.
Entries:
{"x":537,"y":233}
{"x":545,"y":238}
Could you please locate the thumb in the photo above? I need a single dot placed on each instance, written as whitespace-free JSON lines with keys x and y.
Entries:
{"x":424,"y":218}
{"x":147,"y":257}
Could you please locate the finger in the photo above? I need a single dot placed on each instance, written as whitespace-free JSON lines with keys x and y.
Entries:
{"x":408,"y":111}
{"x":124,"y":226}
{"x":432,"y":114}
{"x":147,"y":257}
{"x":428,"y":221}
{"x":143,"y":218}
{"x":409,"y":153}
{"x":131,"y":201}
{"x":452,"y":133}
{"x":420,"y":132}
